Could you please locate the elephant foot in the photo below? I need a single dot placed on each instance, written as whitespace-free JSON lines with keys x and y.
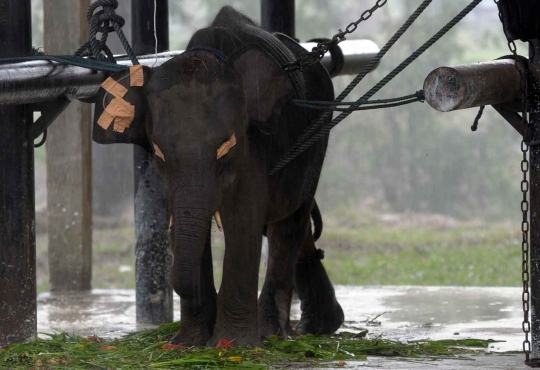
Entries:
{"x":196,"y":322}
{"x":237,"y":338}
{"x":323,"y":320}
{"x":274,"y":308}
{"x":190,"y":336}
{"x":321,"y":312}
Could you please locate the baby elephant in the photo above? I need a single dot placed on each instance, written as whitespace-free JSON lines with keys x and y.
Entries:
{"x":217,"y":117}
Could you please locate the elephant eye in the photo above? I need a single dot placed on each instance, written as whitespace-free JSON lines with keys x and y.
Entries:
{"x":158,"y":152}
{"x":226,"y":146}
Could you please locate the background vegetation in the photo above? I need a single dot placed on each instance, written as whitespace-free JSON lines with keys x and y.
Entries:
{"x":409,"y":195}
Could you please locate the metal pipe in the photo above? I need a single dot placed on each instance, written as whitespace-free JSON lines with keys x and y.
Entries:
{"x":143,"y":38}
{"x":473,"y":85}
{"x":534,"y":233}
{"x":278,"y":16}
{"x":153,"y":257}
{"x":17,"y":215}
{"x":40,"y":81}
{"x":357,"y":53}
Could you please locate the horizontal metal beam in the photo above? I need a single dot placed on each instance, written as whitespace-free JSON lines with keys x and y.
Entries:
{"x":40,"y":81}
{"x":473,"y":85}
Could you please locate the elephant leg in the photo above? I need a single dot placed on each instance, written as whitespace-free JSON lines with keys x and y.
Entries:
{"x":243,"y":223}
{"x":285,"y":238}
{"x":198,"y":315}
{"x":321,"y":312}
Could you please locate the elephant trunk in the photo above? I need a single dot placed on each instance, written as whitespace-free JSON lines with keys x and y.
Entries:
{"x":192,"y":217}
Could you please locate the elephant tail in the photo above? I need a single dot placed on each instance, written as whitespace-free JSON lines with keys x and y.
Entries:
{"x":317,"y":221}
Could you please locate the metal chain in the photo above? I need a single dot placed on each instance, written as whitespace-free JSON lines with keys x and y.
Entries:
{"x":317,"y":53}
{"x":525,"y":295}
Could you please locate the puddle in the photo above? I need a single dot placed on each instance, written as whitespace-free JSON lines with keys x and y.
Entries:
{"x":410,"y":313}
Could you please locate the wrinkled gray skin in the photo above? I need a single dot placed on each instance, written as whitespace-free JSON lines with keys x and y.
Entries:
{"x":195,"y":103}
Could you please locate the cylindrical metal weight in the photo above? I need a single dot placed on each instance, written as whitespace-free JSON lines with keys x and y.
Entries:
{"x":473,"y":85}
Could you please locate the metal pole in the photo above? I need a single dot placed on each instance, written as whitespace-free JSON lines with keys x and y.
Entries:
{"x":535,"y":199}
{"x":278,"y":16}
{"x":153,"y":255}
{"x":17,"y":207}
{"x":40,"y":81}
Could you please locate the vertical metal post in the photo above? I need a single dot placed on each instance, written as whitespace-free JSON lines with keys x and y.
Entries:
{"x":278,"y":16}
{"x":152,"y":242}
{"x":17,"y":207}
{"x":534,"y":91}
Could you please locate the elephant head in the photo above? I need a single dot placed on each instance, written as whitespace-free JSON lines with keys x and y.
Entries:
{"x":197,"y":113}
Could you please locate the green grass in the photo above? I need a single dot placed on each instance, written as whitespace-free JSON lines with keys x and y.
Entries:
{"x":113,"y":259}
{"x":357,"y":253}
{"x":477,"y":265}
{"x":146,"y":350}
{"x":378,"y":236}
{"x":464,"y":256}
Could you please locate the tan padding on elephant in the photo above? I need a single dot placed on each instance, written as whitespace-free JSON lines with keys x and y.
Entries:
{"x":119,"y":111}
{"x":226,"y":146}
{"x":136,"y":75}
{"x":114,"y":88}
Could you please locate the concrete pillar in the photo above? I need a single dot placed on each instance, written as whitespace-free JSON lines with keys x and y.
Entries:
{"x":69,"y":161}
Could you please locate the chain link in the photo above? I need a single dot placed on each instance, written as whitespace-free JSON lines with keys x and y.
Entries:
{"x":317,"y":53}
{"x":526,"y":325}
{"x":525,"y":296}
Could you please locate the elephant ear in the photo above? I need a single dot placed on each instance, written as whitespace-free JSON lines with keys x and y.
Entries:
{"x":120,"y":112}
{"x":266,"y":85}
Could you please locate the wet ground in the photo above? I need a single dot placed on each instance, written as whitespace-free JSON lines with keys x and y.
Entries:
{"x":406,"y":313}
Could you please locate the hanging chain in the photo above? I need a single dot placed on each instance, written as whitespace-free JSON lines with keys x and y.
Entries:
{"x":524,"y":209}
{"x":525,"y":251}
{"x":317,"y":53}
{"x":525,"y":296}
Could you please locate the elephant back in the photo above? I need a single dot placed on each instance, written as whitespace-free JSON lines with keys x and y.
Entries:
{"x":249,"y":33}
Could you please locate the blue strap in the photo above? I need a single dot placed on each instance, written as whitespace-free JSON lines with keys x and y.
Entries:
{"x":216,"y":52}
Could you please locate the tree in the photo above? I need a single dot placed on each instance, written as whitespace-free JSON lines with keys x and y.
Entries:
{"x":412,"y":158}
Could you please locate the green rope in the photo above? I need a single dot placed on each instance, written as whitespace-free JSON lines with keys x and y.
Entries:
{"x":69,"y":60}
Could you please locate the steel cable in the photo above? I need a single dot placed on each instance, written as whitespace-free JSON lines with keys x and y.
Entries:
{"x":293,"y":151}
{"x":366,"y":102}
{"x":301,"y":145}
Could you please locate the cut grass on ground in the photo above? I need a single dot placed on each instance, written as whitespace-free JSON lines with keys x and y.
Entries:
{"x":149,"y":349}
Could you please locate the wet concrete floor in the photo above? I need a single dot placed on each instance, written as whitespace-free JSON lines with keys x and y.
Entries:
{"x":407,"y":313}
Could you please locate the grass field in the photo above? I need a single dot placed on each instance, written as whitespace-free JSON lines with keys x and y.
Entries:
{"x":487,"y":256}
{"x":405,"y":250}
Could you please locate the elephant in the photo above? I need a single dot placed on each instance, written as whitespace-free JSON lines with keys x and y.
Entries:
{"x":216,"y":117}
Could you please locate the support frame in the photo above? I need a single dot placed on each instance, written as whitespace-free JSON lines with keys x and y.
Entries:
{"x":18,"y":303}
